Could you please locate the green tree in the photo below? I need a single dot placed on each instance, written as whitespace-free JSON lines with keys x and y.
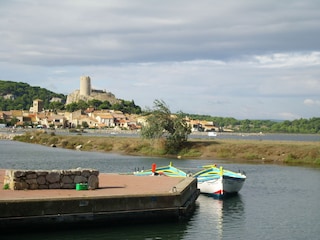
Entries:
{"x":105,"y":105}
{"x":94,"y":103}
{"x":72,"y":107}
{"x":162,"y":124}
{"x":56,"y":106}
{"x":127,"y":107}
{"x":83,"y":105}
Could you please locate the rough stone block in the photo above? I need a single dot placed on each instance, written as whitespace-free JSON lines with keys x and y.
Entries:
{"x":67,"y":172}
{"x":95,"y":172}
{"x":18,"y":174}
{"x":66,"y":179}
{"x":33,"y":186}
{"x":20,"y":185}
{"x":41,"y":180}
{"x":54,"y":186}
{"x":68,"y":186}
{"x":53,"y":177}
{"x":31,"y":181}
{"x":86,"y":173}
{"x":80,"y":179}
{"x":42,"y":173}
{"x":43,"y":186}
{"x":31,"y":176}
{"x":93,"y":182}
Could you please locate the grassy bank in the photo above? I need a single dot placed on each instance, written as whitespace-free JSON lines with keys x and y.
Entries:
{"x":235,"y":150}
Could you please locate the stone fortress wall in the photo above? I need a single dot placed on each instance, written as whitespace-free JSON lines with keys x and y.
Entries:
{"x":86,"y":93}
{"x":50,"y":179}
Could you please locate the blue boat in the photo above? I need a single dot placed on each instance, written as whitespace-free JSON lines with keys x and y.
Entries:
{"x":168,"y":170}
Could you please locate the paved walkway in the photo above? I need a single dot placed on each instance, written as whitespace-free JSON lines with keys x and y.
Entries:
{"x":109,"y":185}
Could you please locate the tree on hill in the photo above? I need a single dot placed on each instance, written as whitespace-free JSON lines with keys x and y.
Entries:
{"x":127,"y":107}
{"x":123,"y":106}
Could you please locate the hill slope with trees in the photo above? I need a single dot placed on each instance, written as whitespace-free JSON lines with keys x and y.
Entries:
{"x":20,"y":96}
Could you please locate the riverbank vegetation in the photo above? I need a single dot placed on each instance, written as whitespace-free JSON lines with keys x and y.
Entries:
{"x":280,"y":152}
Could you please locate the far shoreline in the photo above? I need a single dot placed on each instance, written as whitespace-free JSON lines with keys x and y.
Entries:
{"x":230,"y":150}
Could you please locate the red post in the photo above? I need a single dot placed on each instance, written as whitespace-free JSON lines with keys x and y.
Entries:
{"x":154,"y":166}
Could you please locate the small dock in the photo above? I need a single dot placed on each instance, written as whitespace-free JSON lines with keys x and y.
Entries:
{"x":120,"y":198}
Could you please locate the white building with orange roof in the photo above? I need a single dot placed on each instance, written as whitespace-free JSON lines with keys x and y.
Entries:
{"x":105,"y":118}
{"x":79,"y":121}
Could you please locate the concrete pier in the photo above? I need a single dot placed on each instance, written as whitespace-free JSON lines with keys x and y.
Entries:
{"x":120,"y":198}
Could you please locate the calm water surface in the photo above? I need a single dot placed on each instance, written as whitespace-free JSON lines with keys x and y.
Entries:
{"x":276,"y":202}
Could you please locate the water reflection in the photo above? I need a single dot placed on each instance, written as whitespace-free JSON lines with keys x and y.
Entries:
{"x":219,"y":218}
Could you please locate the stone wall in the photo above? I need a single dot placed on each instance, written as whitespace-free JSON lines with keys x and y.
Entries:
{"x":50,"y":179}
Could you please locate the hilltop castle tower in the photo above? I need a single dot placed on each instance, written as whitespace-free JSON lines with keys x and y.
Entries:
{"x":87,"y":93}
{"x":85,"y":86}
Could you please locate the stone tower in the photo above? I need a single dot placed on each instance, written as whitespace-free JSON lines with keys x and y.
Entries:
{"x":38,"y":106}
{"x":85,"y":86}
{"x":86,"y":93}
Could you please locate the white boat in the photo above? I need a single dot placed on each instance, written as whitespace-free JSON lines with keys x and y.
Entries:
{"x":219,"y":182}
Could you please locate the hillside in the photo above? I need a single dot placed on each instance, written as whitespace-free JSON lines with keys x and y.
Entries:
{"x":19,"y":95}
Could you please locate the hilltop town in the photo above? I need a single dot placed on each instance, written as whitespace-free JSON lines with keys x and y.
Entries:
{"x":39,"y":117}
{"x":90,"y":118}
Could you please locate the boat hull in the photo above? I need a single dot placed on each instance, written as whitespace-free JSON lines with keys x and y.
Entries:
{"x":221,"y":186}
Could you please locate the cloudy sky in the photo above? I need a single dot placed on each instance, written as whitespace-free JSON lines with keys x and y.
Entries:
{"x":247,"y":59}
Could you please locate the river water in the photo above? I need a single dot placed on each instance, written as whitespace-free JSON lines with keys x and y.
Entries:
{"x":276,"y":202}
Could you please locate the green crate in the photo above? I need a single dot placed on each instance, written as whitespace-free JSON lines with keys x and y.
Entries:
{"x":81,"y":186}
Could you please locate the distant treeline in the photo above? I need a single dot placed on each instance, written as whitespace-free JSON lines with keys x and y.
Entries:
{"x":311,"y":125}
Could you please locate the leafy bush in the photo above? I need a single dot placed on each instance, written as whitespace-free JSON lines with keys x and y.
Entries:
{"x":162,"y":124}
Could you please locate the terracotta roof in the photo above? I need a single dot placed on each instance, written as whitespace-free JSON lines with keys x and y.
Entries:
{"x":104,"y":115}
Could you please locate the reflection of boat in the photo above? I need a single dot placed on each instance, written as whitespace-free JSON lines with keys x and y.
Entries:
{"x":219,"y":182}
{"x":169,"y":170}
{"x":221,"y":216}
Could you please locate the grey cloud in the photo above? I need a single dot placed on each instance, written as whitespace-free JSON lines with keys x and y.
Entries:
{"x":95,"y":32}
{"x":226,"y":58}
